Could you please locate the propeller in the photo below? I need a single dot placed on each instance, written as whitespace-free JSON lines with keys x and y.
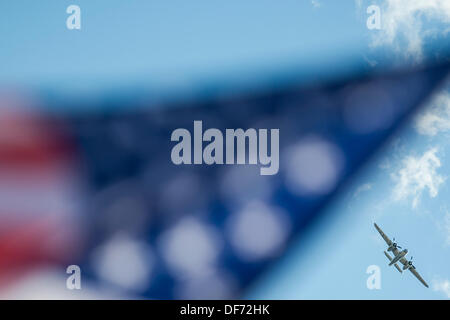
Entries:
{"x":395,"y":244}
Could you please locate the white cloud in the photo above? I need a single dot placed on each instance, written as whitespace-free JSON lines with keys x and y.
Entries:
{"x":436,"y":117}
{"x":416,"y":175}
{"x":362,"y":188}
{"x":403,"y":24}
{"x":316,"y":3}
{"x":442,"y":286}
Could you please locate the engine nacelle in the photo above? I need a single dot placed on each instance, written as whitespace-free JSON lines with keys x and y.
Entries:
{"x":392,"y":247}
{"x":408,"y":265}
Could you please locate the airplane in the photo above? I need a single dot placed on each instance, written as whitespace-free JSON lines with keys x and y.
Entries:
{"x":399,"y":256}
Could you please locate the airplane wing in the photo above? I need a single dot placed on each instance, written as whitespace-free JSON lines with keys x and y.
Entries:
{"x":385,"y":237}
{"x":414,"y":272}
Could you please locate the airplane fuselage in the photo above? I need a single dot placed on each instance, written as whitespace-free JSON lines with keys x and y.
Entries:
{"x":392,"y":247}
{"x":400,"y":255}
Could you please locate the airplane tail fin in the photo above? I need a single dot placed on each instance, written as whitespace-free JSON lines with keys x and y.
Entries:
{"x":390,"y":259}
{"x":398,"y":268}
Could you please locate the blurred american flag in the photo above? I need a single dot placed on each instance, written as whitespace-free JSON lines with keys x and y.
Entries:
{"x":98,"y":189}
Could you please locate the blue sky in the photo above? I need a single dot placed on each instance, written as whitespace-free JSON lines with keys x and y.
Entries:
{"x":165,"y":41}
{"x":179,"y":46}
{"x":175,"y":45}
